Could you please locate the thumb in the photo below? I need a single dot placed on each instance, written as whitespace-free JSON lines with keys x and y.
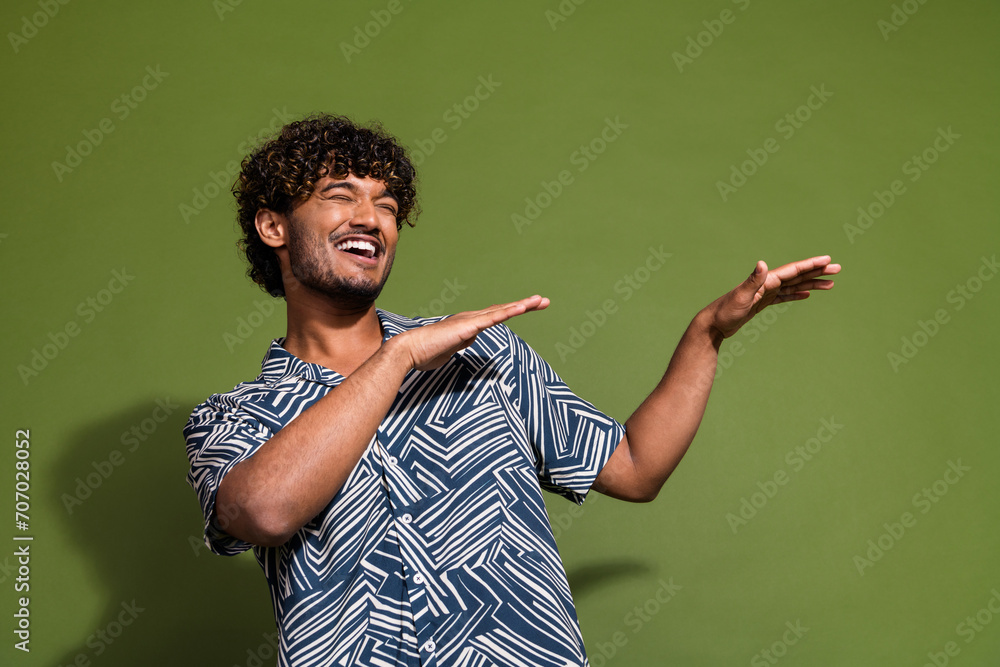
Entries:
{"x":756,"y":279}
{"x":759,"y":274}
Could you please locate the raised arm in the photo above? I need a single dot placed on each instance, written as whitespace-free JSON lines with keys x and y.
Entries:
{"x":294,"y":475}
{"x":659,"y":432}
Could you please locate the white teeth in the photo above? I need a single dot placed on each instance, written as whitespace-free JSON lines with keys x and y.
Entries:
{"x":360,"y":245}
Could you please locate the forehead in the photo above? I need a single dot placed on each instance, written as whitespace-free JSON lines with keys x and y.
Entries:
{"x":365,"y":187}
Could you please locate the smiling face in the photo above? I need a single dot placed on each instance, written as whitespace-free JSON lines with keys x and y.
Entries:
{"x":342,"y":240}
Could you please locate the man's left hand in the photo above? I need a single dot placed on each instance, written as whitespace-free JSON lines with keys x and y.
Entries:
{"x":791,"y":282}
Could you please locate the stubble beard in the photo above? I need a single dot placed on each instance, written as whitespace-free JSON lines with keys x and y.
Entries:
{"x":309,"y":269}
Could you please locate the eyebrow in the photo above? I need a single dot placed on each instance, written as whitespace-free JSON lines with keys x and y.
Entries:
{"x":347,"y":185}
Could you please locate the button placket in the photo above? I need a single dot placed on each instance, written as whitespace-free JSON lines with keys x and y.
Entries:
{"x":404,"y":518}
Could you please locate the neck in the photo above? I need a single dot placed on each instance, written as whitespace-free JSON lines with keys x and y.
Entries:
{"x":340,"y":338}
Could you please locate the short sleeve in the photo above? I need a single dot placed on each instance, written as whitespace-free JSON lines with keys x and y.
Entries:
{"x":219,"y":436}
{"x":572,"y":439}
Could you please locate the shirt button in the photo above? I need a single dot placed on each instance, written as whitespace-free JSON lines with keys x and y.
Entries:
{"x":429,"y":646}
{"x":418,"y":578}
{"x":393,"y":460}
{"x":406,"y":518}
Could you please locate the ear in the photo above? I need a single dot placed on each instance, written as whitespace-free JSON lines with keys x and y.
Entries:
{"x":272,"y":227}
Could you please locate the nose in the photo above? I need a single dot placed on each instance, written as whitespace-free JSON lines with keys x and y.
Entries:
{"x":365,"y":214}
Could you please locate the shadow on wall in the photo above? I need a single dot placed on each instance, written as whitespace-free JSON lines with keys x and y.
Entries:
{"x":586,"y":580}
{"x":169,"y":600}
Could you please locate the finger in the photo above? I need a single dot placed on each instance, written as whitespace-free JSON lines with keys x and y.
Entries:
{"x":828,"y":270}
{"x":535,"y":302}
{"x":793,"y":269}
{"x":496,"y":307}
{"x":753,"y":286}
{"x":794,"y":287}
{"x":527,"y":302}
{"x":542,"y":304}
{"x":794,"y":296}
{"x":491,"y":316}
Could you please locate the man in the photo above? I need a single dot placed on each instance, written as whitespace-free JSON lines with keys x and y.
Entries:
{"x":386,"y":471}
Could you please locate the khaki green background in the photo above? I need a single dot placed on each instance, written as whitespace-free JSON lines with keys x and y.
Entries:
{"x":184,"y":328}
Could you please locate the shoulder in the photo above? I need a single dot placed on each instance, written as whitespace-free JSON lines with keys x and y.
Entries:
{"x":394,"y":323}
{"x":503,"y":337}
{"x":227,"y":406}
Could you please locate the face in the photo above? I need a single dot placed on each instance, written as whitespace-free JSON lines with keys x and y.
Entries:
{"x":342,"y":240}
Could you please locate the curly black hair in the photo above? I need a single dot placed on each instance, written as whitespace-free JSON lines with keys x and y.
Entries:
{"x":282,"y":173}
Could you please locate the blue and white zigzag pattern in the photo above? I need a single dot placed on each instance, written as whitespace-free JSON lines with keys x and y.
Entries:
{"x":437,"y":550}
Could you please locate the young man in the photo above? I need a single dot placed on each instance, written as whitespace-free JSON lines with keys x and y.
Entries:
{"x":386,"y":471}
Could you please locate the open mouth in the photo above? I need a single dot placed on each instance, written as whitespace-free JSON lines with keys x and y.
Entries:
{"x":359,"y":247}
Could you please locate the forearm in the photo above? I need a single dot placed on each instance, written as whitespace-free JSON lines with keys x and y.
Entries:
{"x":295,"y":474}
{"x":660,"y":431}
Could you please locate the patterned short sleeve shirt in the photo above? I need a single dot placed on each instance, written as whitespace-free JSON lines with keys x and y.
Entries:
{"x":437,"y":550}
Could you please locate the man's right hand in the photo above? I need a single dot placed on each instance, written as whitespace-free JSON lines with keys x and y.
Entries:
{"x":431,"y":346}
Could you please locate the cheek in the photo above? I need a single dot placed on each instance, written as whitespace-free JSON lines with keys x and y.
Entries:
{"x":392,"y":239}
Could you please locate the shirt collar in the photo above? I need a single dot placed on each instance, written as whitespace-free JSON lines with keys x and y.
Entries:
{"x":280,"y":364}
